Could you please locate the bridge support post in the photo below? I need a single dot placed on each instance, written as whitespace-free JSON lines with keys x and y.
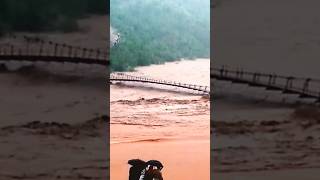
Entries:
{"x":288,"y":85}
{"x":306,"y":85}
{"x":98,"y":54}
{"x":237,"y":74}
{"x":48,"y":51}
{"x":274,"y":79}
{"x":199,"y":89}
{"x":4,"y":50}
{"x":27,"y":45}
{"x":318,"y":99}
{"x":62,"y":49}
{"x":241,"y":74}
{"x":256,"y":77}
{"x":11,"y":49}
{"x":269,"y":79}
{"x":55,"y":49}
{"x":41,"y":47}
{"x":70,"y":51}
{"x":75,"y":52}
{"x":90,"y":53}
{"x":221,"y":71}
{"x":84,"y":52}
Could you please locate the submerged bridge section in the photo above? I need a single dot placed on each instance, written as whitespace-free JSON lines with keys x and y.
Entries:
{"x":303,"y":87}
{"x":35,"y":49}
{"x":122,"y":77}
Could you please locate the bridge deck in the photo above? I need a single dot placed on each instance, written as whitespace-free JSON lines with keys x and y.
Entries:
{"x":303,"y":87}
{"x":130,"y":78}
{"x":35,"y":49}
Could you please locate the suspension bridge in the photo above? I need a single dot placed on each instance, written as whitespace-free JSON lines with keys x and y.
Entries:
{"x":302,"y":87}
{"x":122,"y":77}
{"x":35,"y":49}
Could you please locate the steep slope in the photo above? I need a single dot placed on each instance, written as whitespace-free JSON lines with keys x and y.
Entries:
{"x":156,"y":31}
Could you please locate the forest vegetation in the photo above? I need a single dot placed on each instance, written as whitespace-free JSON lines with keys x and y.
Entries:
{"x":46,"y":15}
{"x":157,"y":31}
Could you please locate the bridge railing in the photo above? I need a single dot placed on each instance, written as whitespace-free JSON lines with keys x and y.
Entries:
{"x":30,"y":46}
{"x":306,"y":87}
{"x":127,"y":77}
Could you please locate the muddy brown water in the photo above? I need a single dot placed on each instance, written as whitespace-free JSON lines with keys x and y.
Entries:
{"x":154,"y":122}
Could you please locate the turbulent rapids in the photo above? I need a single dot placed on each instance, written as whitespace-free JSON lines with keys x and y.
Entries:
{"x":150,"y":120}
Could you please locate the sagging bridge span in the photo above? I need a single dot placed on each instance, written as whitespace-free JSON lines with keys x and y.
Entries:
{"x":34,"y":49}
{"x":305,"y":88}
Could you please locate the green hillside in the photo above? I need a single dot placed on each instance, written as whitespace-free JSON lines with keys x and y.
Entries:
{"x":46,"y":15}
{"x":156,"y":31}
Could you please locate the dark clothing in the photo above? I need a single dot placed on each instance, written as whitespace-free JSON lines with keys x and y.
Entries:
{"x":137,"y":166}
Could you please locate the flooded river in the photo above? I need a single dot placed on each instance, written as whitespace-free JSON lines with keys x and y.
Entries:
{"x":150,"y":122}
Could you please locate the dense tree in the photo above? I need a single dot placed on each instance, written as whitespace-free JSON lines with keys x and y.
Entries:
{"x":46,"y":15}
{"x":156,"y":31}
